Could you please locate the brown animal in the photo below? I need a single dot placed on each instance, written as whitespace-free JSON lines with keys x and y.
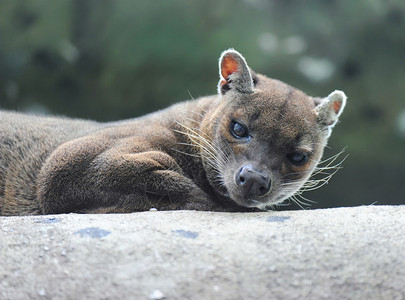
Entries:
{"x":253,"y":145}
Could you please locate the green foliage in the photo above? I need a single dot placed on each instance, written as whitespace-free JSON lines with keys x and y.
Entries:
{"x":107,"y":60}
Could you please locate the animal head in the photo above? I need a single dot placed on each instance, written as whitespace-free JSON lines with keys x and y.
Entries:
{"x":264,"y":138}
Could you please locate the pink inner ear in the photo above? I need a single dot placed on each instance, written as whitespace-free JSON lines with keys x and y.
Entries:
{"x":229,"y":65}
{"x":336,"y":106}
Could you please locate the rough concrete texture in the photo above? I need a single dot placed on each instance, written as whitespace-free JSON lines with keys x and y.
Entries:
{"x":344,"y":253}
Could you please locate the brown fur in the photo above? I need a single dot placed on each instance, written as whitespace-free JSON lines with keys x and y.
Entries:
{"x":183,"y":157}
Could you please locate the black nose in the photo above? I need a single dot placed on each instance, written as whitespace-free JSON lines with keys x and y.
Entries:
{"x":252,"y":182}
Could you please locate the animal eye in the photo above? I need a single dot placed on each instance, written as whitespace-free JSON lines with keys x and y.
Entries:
{"x":297,"y":158}
{"x":239,"y":130}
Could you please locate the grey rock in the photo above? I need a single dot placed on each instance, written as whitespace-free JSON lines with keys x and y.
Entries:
{"x":342,"y":253}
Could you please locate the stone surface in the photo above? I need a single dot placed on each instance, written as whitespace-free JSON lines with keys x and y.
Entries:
{"x":343,"y":253}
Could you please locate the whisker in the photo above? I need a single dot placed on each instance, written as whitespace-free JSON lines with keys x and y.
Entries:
{"x":196,"y":135}
{"x":329,"y":169}
{"x":214,"y":157}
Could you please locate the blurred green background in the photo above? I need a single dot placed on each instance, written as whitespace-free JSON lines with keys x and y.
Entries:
{"x":109,"y":60}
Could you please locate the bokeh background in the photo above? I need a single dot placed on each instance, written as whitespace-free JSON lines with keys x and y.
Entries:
{"x":115,"y":59}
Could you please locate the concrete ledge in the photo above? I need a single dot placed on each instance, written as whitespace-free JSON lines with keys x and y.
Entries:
{"x":343,"y":253}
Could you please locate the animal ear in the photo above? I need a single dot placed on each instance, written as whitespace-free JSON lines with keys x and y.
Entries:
{"x":330,"y":108}
{"x":234,"y":73}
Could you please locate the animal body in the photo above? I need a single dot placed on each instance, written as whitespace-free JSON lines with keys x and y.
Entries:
{"x":252,"y":145}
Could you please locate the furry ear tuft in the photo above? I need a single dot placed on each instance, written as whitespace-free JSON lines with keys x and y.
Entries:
{"x":329,"y":109}
{"x":234,"y":73}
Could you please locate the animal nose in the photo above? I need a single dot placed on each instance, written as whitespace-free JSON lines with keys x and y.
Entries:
{"x":252,"y":182}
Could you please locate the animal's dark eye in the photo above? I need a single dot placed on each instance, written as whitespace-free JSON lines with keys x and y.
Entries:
{"x":298,"y":158}
{"x":239,"y":130}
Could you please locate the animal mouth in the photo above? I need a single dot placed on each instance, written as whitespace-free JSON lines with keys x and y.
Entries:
{"x":249,"y":201}
{"x":254,"y":203}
